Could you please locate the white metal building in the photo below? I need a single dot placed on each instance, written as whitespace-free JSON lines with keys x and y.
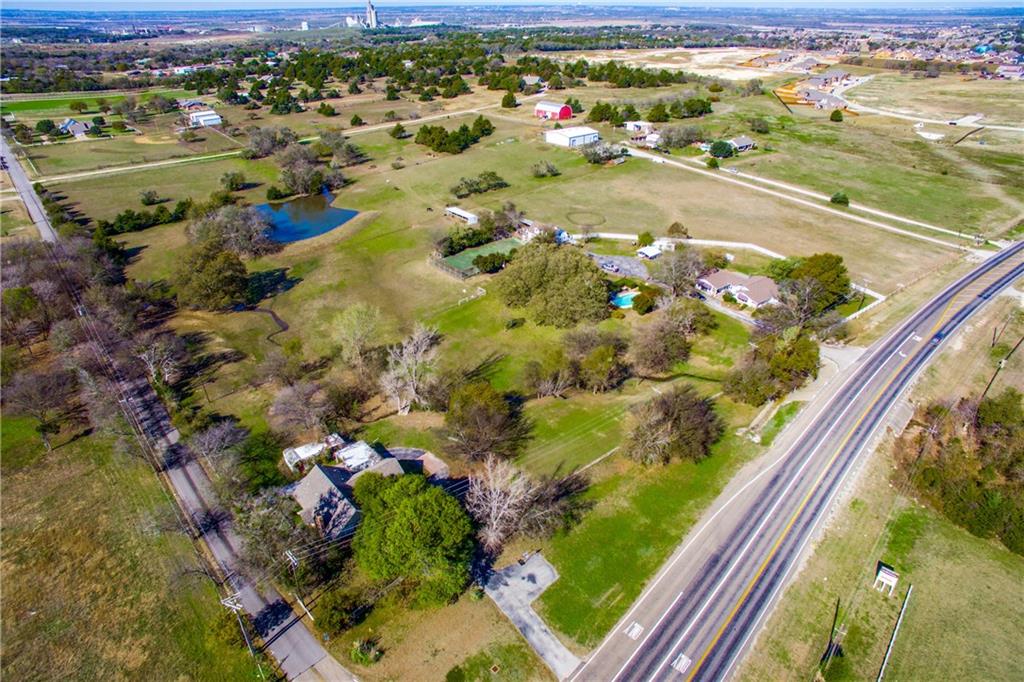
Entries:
{"x":577,"y":136}
{"x":463,"y":215}
{"x":203,"y":119}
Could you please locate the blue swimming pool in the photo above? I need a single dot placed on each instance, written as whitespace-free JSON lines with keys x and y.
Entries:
{"x":624,"y":299}
{"x":304,"y":217}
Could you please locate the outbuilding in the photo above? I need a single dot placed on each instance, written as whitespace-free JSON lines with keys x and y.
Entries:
{"x":461,"y":214}
{"x":576,"y":136}
{"x":552,"y":111}
{"x":204,"y":119}
{"x":648,"y":252}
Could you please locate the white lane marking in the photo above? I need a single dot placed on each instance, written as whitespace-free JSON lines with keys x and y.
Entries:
{"x":634,"y":631}
{"x":682,"y":663}
{"x":767,"y":517}
{"x":950,"y":290}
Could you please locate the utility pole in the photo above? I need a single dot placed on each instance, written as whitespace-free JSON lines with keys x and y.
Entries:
{"x":233,"y":602}
{"x":999,"y":367}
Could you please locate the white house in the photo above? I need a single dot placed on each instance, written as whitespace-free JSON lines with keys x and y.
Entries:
{"x":750,"y":291}
{"x":742,"y":143}
{"x":577,"y":136}
{"x":648,"y":252}
{"x":645,"y":127}
{"x":204,"y":119}
{"x":463,"y":215}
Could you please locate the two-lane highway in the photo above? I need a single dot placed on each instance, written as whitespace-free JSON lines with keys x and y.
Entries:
{"x":698,"y":615}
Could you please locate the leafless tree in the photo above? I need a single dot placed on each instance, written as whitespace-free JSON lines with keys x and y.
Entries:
{"x":95,"y":392}
{"x":498,"y":497}
{"x":163,"y":356}
{"x":241,"y":229}
{"x":217,"y":442}
{"x":679,"y":270}
{"x":797,"y":305}
{"x":357,"y":328}
{"x":301,"y":407}
{"x":409,"y":365}
{"x":42,"y":396}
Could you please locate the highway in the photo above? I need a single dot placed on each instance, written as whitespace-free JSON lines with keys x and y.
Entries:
{"x":698,"y":615}
{"x":298,"y":653}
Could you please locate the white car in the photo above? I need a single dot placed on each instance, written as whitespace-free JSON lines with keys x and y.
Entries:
{"x":731,"y":170}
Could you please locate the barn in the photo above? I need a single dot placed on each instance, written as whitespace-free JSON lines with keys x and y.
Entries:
{"x":552,"y":111}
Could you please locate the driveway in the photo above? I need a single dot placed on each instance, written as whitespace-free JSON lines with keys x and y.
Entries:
{"x":513,"y":589}
{"x":629,"y":266}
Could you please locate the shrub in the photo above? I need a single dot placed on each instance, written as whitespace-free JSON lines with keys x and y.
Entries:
{"x":509,"y":101}
{"x":398,"y":132}
{"x":840,"y":198}
{"x":545,"y":169}
{"x":365,"y":652}
{"x":712,"y":163}
{"x":275,"y":193}
{"x":645,"y":239}
{"x":326,"y":109}
{"x":721,"y":149}
{"x":836,"y":116}
{"x":356,"y":120}
{"x":759,"y":125}
{"x":149,"y":197}
{"x":515,"y":322}
{"x":643,"y":303}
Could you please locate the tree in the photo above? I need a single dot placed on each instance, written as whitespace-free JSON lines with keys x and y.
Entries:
{"x":678,"y":424}
{"x":243,"y":230}
{"x":678,"y":230}
{"x":645,"y":239}
{"x":679,"y":270}
{"x":162,"y":354}
{"x":357,"y":329}
{"x":210,"y":277}
{"x":414,"y":530}
{"x":658,"y":113}
{"x":78,"y":106}
{"x":509,"y":101}
{"x":658,"y":346}
{"x":759,"y":125}
{"x":751,"y":383}
{"x":218,"y":442}
{"x":836,"y":116}
{"x":712,"y":163}
{"x":301,"y":407}
{"x":559,"y":287}
{"x":269,"y":525}
{"x":233,"y":181}
{"x":398,"y":132}
{"x":326,"y":109}
{"x":481,"y":422}
{"x":45,"y":126}
{"x":720,"y":149}
{"x":831,"y":276}
{"x":43,"y":396}
{"x":265,"y":141}
{"x":356,"y":120}
{"x":690,"y":317}
{"x":409,"y":365}
{"x":149,"y":197}
{"x":840,"y":198}
{"x":498,"y":497}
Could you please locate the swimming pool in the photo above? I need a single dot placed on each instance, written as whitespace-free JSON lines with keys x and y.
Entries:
{"x":624,"y":299}
{"x":304,"y":217}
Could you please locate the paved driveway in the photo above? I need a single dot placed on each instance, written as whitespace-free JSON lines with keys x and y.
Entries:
{"x":513,"y":589}
{"x":628,"y":266}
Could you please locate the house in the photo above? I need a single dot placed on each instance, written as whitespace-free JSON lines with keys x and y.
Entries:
{"x":576,"y":136}
{"x":648,"y":252}
{"x":742,"y":143}
{"x":535,"y":81}
{"x":204,"y":119}
{"x":460,"y":214}
{"x":652,"y":140}
{"x":750,"y":291}
{"x":324,"y":500}
{"x":192,"y":105}
{"x":530,"y":230}
{"x":70,"y":126}
{"x":643,"y":127}
{"x":1010,"y":72}
{"x":295,"y":456}
{"x":552,"y":111}
{"x":820,"y":100}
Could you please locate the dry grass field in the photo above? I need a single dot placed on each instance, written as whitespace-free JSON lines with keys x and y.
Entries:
{"x":947,"y":97}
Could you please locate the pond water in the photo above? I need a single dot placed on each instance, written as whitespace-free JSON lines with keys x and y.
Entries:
{"x":304,"y":217}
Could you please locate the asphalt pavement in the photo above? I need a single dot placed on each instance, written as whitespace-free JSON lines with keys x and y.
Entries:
{"x":697,"y":617}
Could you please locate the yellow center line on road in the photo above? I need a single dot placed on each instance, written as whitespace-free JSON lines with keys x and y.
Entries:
{"x":803,"y":504}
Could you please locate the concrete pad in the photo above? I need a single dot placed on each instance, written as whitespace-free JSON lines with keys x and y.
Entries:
{"x":513,"y":589}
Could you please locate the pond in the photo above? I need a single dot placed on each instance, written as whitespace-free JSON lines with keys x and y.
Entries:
{"x":304,"y":217}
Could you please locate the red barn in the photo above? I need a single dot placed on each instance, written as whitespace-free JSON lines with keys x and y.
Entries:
{"x":552,"y":111}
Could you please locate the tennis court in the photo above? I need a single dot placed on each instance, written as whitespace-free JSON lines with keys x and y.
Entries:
{"x":463,"y":260}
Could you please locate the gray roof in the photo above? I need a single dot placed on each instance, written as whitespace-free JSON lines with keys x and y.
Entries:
{"x":73,"y":127}
{"x":743,"y":141}
{"x":322,"y":495}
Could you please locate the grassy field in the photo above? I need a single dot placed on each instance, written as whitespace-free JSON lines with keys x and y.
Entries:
{"x":949,"y":96}
{"x":14,"y":219}
{"x":57,"y":107}
{"x":94,"y":587}
{"x":463,"y":260}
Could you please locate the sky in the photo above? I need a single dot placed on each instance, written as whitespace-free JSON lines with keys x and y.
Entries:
{"x":165,"y":5}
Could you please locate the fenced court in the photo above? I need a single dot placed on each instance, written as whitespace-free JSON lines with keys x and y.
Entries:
{"x":463,"y":260}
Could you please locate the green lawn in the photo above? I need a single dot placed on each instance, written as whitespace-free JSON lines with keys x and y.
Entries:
{"x":782,"y":416}
{"x":463,"y":260}
{"x":96,"y":585}
{"x":58,"y":106}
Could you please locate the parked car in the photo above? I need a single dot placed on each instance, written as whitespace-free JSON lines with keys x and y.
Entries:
{"x":608,"y":266}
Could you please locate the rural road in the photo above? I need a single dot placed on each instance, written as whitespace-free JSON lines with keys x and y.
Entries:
{"x":698,"y":615}
{"x":299,"y":654}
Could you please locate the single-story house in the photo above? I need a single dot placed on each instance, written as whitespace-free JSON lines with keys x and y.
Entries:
{"x":204,"y":119}
{"x":293,"y":457}
{"x":577,"y":136}
{"x":70,"y":126}
{"x":819,"y":99}
{"x":742,"y":143}
{"x":463,"y":215}
{"x":530,"y":230}
{"x":192,"y":105}
{"x":1010,"y":72}
{"x":648,"y":252}
{"x":552,"y":111}
{"x":754,"y":291}
{"x":535,"y":80}
{"x":645,"y":127}
{"x":324,"y":500}
{"x":652,"y":140}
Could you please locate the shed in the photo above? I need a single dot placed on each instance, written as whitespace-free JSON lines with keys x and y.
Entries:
{"x":552,"y":111}
{"x":648,"y":252}
{"x":576,"y":136}
{"x":885,"y":577}
{"x":204,"y":119}
{"x":461,"y":214}
{"x":302,"y":453}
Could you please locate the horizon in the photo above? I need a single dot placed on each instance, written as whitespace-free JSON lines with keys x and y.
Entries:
{"x":165,"y":6}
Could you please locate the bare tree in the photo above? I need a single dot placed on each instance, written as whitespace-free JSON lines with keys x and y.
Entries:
{"x":42,"y":396}
{"x":409,"y":365}
{"x":217,"y":442}
{"x":95,"y":392}
{"x":301,"y":407}
{"x":357,"y":328}
{"x":679,"y":270}
{"x":163,"y":355}
{"x":498,"y":497}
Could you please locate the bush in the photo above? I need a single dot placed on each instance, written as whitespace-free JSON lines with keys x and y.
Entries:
{"x":275,"y":193}
{"x":759,"y":125}
{"x":356,"y":120}
{"x":149,"y":197}
{"x":836,"y":116}
{"x":365,"y":652}
{"x":326,"y":109}
{"x":643,"y":303}
{"x":509,"y":101}
{"x":398,"y":132}
{"x":840,"y":198}
{"x":545,"y":169}
{"x":721,"y":149}
{"x":515,"y":322}
{"x":336,"y":611}
{"x":645,"y":239}
{"x":492,"y":262}
{"x":712,"y":163}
